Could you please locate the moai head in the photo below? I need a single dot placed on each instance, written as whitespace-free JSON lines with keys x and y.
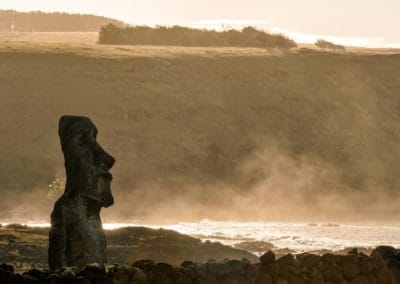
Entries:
{"x":87,"y":164}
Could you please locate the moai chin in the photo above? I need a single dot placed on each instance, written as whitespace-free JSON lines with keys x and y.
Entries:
{"x":76,"y":236}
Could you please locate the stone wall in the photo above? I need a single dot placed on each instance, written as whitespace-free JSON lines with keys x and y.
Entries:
{"x":381,"y":267}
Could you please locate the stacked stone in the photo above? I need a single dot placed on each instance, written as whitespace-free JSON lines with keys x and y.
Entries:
{"x":382,"y":267}
{"x":140,"y":272}
{"x":146,"y":271}
{"x":92,"y":273}
{"x":307,"y":268}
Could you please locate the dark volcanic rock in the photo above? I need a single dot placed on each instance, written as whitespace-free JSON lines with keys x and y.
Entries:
{"x":309,"y":260}
{"x":267,"y":258}
{"x":188,"y":264}
{"x":387,"y":257}
{"x":353,"y":251}
{"x":304,"y":268}
{"x":7,"y":267}
{"x":95,"y":273}
{"x":123,"y":274}
{"x":6,"y":275}
{"x":164,"y":268}
{"x":263,"y":278}
{"x":76,"y":236}
{"x":145,"y":264}
{"x":331,"y":258}
{"x":54,"y":279}
{"x":38,"y":274}
{"x":349,"y":266}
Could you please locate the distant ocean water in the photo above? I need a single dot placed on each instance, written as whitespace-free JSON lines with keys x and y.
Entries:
{"x":296,"y":237}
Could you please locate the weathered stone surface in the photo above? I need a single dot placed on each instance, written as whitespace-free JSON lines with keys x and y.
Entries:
{"x":6,"y":267}
{"x":272,"y":269}
{"x":226,"y":267}
{"x":284,"y":270}
{"x":76,"y":236}
{"x":386,"y":252}
{"x":267,"y":258}
{"x":362,"y":279}
{"x":331,"y":258}
{"x":353,"y":251}
{"x":309,"y":260}
{"x":279,"y":280}
{"x":145,"y":264}
{"x":386,"y":264}
{"x":36,"y":274}
{"x":349,"y":265}
{"x":95,"y":273}
{"x":365,"y":265}
{"x":287,"y":270}
{"x":318,"y":279}
{"x":294,"y":279}
{"x":183,"y":276}
{"x":332,"y":273}
{"x":6,"y":275}
{"x":126,"y":275}
{"x":288,"y":259}
{"x":68,"y":273}
{"x":263,"y":278}
{"x":187,"y":264}
{"x":54,"y":279}
{"x":163,"y":267}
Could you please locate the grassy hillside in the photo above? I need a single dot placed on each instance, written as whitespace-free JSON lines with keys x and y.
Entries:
{"x":207,"y":132}
{"x":37,"y":21}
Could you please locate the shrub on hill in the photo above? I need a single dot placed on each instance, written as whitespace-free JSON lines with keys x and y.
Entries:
{"x":326,"y":45}
{"x":183,"y":36}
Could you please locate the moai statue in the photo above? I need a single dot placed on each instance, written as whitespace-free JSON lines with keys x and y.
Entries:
{"x":76,"y":236}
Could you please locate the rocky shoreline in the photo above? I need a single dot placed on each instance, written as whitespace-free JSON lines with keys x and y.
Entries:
{"x":26,"y":247}
{"x":382,"y":266}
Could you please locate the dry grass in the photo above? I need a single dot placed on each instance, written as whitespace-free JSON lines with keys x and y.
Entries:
{"x":85,"y":44}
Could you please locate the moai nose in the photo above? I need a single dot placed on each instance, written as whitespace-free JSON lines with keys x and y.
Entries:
{"x":102,"y":157}
{"x":106,"y":159}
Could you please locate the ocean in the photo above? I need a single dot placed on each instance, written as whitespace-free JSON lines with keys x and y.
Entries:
{"x":286,"y":237}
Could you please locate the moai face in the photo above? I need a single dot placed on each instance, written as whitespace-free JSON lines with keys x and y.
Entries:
{"x":87,"y":164}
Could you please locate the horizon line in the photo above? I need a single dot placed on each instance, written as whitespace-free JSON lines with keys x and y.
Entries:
{"x":238,"y":24}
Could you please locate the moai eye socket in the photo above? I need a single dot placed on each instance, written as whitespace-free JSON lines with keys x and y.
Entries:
{"x":80,"y":138}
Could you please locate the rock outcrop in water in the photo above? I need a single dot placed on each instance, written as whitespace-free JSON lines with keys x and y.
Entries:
{"x":381,"y":267}
{"x":76,"y":236}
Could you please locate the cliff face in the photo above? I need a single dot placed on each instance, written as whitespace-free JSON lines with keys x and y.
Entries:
{"x":199,"y":128}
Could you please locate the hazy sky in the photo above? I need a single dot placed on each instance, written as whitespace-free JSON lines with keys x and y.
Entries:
{"x":366,"y":22}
